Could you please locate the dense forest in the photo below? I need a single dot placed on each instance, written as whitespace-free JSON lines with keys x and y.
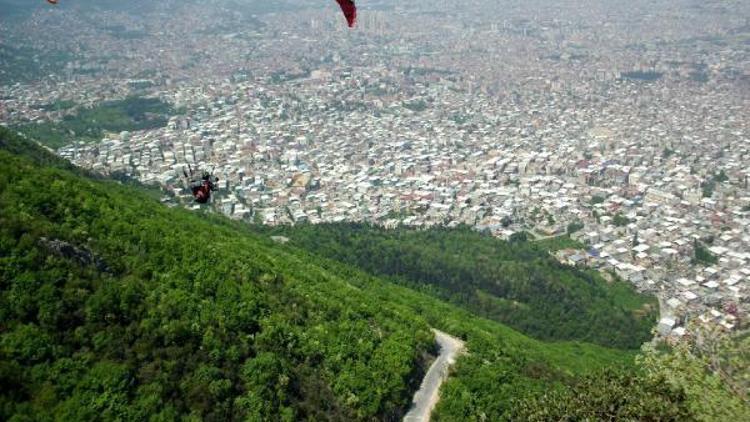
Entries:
{"x":114,"y":307}
{"x":507,"y":376}
{"x":90,"y":124}
{"x":516,"y":283}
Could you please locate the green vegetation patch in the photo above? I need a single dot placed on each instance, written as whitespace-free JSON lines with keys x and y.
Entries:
{"x":680,"y":384}
{"x":702,"y":255}
{"x":115,"y":307}
{"x":558,"y":243}
{"x":620,"y":220}
{"x":15,"y":144}
{"x":58,"y":105}
{"x":597,"y":199}
{"x":709,"y":186}
{"x":416,"y":106}
{"x":556,"y":302}
{"x":574,"y":227}
{"x":130,"y":114}
{"x":502,"y":366}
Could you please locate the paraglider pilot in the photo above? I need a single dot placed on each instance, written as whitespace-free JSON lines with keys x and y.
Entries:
{"x":201,"y":187}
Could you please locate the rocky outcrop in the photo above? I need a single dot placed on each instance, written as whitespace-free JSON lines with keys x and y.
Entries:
{"x":80,"y":255}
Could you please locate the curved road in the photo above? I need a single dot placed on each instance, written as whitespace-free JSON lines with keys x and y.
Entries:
{"x":427,"y":396}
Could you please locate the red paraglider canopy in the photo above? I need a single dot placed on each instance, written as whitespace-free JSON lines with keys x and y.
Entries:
{"x":350,"y":11}
{"x":347,"y":6}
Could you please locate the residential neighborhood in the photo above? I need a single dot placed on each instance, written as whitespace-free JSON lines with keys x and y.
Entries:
{"x":633,"y":141}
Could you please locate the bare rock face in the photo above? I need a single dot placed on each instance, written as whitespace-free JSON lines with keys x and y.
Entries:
{"x":80,"y":255}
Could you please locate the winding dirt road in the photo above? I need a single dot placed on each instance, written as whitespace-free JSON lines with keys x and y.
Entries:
{"x":427,"y":396}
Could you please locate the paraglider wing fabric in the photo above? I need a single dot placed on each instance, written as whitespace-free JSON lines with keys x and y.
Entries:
{"x":350,"y":11}
{"x":52,"y":1}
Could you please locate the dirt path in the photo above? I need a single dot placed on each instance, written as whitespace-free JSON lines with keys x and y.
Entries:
{"x":427,"y":396}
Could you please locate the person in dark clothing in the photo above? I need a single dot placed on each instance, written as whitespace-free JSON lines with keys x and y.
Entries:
{"x":201,"y":188}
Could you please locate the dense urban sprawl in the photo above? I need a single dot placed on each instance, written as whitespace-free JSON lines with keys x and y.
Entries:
{"x":625,"y":125}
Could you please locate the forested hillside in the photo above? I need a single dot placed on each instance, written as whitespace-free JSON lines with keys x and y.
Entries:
{"x":516,"y":283}
{"x":14,"y":144}
{"x":507,"y":376}
{"x":114,"y":307}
